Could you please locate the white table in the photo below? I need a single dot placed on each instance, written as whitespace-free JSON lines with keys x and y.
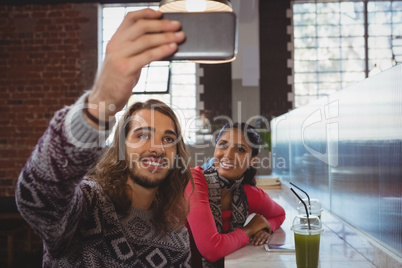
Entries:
{"x":341,"y":246}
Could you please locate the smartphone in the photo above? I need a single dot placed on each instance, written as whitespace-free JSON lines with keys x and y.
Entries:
{"x":209,"y":35}
{"x":280,"y":247}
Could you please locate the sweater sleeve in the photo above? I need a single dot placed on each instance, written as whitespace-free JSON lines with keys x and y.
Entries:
{"x":211,"y":244}
{"x":259,"y":202}
{"x":48,"y":195}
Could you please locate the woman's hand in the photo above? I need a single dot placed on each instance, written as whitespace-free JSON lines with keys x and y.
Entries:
{"x":140,"y":39}
{"x":256,"y":224}
{"x":260,"y":238}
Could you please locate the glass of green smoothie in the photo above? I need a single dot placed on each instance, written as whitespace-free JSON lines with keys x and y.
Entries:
{"x":307,"y":233}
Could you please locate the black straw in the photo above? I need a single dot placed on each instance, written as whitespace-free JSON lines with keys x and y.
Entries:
{"x":305,"y":206}
{"x":308,"y":197}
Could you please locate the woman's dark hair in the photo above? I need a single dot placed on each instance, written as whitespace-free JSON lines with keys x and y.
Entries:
{"x":253,"y":139}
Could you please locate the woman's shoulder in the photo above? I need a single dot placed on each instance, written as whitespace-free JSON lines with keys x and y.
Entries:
{"x":199,"y":183}
{"x":252,"y":190}
{"x":198,"y":168}
{"x":197,"y":171}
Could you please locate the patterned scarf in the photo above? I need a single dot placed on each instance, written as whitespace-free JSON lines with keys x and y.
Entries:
{"x":239,"y":204}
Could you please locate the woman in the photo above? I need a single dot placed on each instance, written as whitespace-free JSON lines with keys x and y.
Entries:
{"x":225,"y":194}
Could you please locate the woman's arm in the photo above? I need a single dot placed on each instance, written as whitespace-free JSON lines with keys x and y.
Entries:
{"x":259,"y":202}
{"x":211,"y":244}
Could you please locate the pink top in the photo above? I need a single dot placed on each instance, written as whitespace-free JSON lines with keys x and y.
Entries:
{"x":211,"y":244}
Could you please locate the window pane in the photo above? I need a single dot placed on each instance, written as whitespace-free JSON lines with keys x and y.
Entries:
{"x":305,"y":42}
{"x":376,"y":6}
{"x":183,"y":79}
{"x":328,"y":54}
{"x":330,"y":45}
{"x":352,"y":77}
{"x":352,"y":8}
{"x":329,"y":77}
{"x":305,"y":54}
{"x":353,"y":65}
{"x":353,"y":52}
{"x":184,"y":90}
{"x":305,"y":18}
{"x":328,"y":8}
{"x":324,"y":19}
{"x":397,"y":5}
{"x":379,"y":17}
{"x":107,"y":34}
{"x":304,"y":31}
{"x":326,"y":87}
{"x":397,"y":29}
{"x":115,"y":13}
{"x":305,"y":77}
{"x":158,"y":74}
{"x":156,"y":87}
{"x":304,"y":100}
{"x":352,"y":30}
{"x":379,"y":42}
{"x":305,"y":66}
{"x":328,"y":42}
{"x":329,"y":66}
{"x":183,"y":68}
{"x":380,"y":53}
{"x":304,"y":8}
{"x":328,"y":30}
{"x":352,"y":19}
{"x":379,"y":30}
{"x":184,"y":102}
{"x":306,"y":88}
{"x":396,"y":16}
{"x":154,"y":78}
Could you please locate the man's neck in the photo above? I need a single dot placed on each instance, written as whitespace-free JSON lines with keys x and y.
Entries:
{"x":141,"y":197}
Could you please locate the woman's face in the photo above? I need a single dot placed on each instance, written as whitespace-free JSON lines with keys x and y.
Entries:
{"x":232,"y":154}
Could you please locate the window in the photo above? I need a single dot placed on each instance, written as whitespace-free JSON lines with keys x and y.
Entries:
{"x":154,"y":79}
{"x":384,"y":30}
{"x":337,"y":44}
{"x":174,"y":82}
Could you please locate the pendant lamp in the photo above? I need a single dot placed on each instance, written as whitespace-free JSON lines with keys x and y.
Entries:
{"x":195,"y":6}
{"x":167,"y":6}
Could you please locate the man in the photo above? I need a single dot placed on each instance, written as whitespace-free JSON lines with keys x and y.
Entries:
{"x":129,"y":210}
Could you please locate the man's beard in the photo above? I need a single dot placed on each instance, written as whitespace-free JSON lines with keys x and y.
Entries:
{"x":145,"y":181}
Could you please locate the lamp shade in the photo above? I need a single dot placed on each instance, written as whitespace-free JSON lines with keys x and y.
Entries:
{"x":195,"y":6}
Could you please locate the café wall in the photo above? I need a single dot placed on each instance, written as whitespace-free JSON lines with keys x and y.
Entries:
{"x":48,"y":57}
{"x":346,"y":150}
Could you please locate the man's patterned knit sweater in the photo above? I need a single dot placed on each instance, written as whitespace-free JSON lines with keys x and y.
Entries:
{"x":75,"y":219}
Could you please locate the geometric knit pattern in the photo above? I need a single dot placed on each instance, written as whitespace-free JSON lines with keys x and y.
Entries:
{"x":77,"y":222}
